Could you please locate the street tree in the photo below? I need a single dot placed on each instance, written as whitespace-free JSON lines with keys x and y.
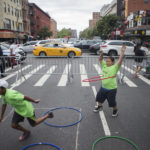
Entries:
{"x":64,"y":33}
{"x":44,"y":33}
{"x":106,"y":25}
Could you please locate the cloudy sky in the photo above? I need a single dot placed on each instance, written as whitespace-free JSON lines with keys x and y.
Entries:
{"x":73,"y":14}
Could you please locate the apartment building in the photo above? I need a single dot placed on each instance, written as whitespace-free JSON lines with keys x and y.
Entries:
{"x":11,"y":20}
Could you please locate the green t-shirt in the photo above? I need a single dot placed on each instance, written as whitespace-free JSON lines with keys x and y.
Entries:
{"x":108,"y":71}
{"x":16,"y":100}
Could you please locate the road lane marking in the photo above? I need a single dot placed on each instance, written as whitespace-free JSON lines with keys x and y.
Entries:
{"x":147,"y":81}
{"x":13,"y":74}
{"x":64,"y":78}
{"x":98,"y":69}
{"x":22,"y":79}
{"x":77,"y":133}
{"x":127,"y":80}
{"x":102,"y":117}
{"x":45,"y":77}
{"x":83,"y":76}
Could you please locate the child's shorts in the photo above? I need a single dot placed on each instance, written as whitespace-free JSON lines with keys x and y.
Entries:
{"x":110,"y":95}
{"x":18,"y":118}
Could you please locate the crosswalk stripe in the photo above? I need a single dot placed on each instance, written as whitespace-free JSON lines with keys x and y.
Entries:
{"x":127,"y":80}
{"x":140,"y":76}
{"x":46,"y":76}
{"x":98,"y":69}
{"x":64,"y":77}
{"x":22,"y":79}
{"x":13,"y":74}
{"x":83,"y":75}
{"x":143,"y":69}
{"x":8,"y":69}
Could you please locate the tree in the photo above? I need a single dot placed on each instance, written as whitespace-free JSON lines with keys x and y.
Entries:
{"x":87,"y":33}
{"x":44,"y":32}
{"x":106,"y":25}
{"x":64,"y":33}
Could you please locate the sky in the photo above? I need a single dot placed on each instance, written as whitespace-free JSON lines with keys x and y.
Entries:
{"x":74,"y":14}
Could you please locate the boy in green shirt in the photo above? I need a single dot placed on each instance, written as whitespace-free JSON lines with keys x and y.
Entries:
{"x":108,"y":89}
{"x":23,"y":109}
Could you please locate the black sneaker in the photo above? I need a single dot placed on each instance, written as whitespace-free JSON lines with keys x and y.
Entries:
{"x":115,"y":113}
{"x":97,"y":109}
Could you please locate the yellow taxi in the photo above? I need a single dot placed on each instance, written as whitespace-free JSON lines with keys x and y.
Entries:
{"x":56,"y":49}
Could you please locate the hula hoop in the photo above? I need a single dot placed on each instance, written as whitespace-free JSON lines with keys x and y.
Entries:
{"x":35,"y":144}
{"x":96,"y":79}
{"x":115,"y":137}
{"x":69,"y":125}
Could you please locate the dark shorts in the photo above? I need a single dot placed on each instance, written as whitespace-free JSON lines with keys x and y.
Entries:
{"x":18,"y":118}
{"x":110,"y":95}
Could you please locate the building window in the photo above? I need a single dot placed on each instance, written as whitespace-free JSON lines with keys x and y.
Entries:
{"x":13,"y":23}
{"x":7,"y":24}
{"x":12,"y":11}
{"x":8,"y":9}
{"x":146,"y":1}
{"x":20,"y":27}
{"x":14,"y":1}
{"x":4,"y":7}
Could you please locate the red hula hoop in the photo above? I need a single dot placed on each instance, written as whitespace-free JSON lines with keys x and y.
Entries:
{"x":96,"y":79}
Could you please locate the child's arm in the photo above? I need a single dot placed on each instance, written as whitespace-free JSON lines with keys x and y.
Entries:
{"x":31,"y":100}
{"x":3,"y":111}
{"x":101,"y":56}
{"x":121,"y":55}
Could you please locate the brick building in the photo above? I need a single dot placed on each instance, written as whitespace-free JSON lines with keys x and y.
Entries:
{"x":137,"y":19}
{"x":53,"y":28}
{"x":26,"y":18}
{"x":38,"y":19}
{"x":96,"y":17}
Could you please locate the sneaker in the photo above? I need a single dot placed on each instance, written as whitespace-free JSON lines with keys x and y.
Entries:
{"x":115,"y":113}
{"x":50,"y":115}
{"x":97,"y":109}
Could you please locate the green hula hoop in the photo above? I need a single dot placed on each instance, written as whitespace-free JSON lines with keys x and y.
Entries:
{"x":115,"y":137}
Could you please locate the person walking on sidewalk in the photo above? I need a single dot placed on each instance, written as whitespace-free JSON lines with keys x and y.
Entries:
{"x":139,"y":56}
{"x":108,"y":90}
{"x":2,"y":63}
{"x":23,"y":109}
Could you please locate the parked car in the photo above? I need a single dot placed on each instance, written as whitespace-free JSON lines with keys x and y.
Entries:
{"x":95,"y":48}
{"x":85,"y":44}
{"x":29,"y":46}
{"x":113,"y":47}
{"x":56,"y":49}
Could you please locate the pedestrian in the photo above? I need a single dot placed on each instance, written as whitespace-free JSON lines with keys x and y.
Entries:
{"x":139,"y":55}
{"x":13,"y":46}
{"x":23,"y":109}
{"x":2,"y":63}
{"x":108,"y":89}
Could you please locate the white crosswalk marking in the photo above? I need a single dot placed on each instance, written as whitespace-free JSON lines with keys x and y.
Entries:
{"x":64,"y":77}
{"x":140,"y":76}
{"x":98,"y":69}
{"x":127,"y":80}
{"x":46,"y":76}
{"x":13,"y":74}
{"x":83,"y":75}
{"x":22,"y":79}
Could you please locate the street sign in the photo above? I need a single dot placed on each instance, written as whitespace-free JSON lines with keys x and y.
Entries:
{"x":147,"y":32}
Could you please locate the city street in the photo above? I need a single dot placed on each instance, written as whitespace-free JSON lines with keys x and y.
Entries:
{"x":54,"y":90}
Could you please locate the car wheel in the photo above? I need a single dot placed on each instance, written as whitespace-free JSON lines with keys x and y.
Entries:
{"x":42,"y":54}
{"x":112,"y":53}
{"x":71,"y":54}
{"x":97,"y":52}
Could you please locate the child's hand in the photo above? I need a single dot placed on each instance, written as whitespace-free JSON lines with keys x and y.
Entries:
{"x":123,"y":48}
{"x":37,"y":101}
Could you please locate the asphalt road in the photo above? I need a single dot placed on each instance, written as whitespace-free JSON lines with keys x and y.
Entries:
{"x":133,"y":102}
